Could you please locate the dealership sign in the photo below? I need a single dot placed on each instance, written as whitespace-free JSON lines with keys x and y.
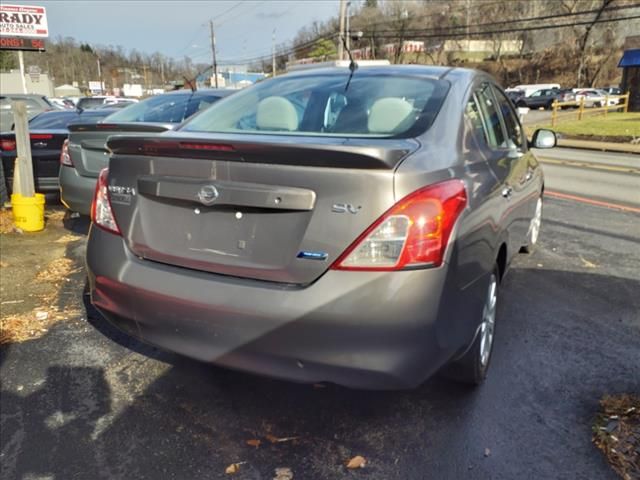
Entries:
{"x":18,"y":43}
{"x":23,"y":21}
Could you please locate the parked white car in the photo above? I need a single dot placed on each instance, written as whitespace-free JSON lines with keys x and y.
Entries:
{"x":592,"y":98}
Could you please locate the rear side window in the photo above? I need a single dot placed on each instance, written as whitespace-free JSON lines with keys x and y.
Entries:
{"x":199,"y":102}
{"x":514,"y":132}
{"x":474,"y":124}
{"x":321,"y":105}
{"x":491,"y":116}
{"x":90,"y":102}
{"x":165,"y":108}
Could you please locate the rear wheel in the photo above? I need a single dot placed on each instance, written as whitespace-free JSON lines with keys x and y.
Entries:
{"x":534,"y":229}
{"x":472,"y":367}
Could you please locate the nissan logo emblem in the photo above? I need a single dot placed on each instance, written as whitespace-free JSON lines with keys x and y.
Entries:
{"x":208,"y":195}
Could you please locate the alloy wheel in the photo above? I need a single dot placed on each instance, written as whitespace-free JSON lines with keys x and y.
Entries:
{"x":536,"y":221}
{"x":488,"y":321}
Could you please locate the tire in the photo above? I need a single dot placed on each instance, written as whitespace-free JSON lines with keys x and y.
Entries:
{"x":548,"y":106}
{"x":534,"y":229}
{"x":473,"y":366}
{"x":521,"y":104}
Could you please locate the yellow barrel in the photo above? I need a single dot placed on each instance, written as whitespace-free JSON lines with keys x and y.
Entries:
{"x":28,"y":212}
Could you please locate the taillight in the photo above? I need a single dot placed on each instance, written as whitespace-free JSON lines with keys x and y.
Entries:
{"x":65,"y":158}
{"x":101,"y":212}
{"x":413,"y":233}
{"x":40,"y":136}
{"x":7,"y":145}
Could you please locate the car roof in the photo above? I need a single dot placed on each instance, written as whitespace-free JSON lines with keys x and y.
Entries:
{"x":432,"y":71}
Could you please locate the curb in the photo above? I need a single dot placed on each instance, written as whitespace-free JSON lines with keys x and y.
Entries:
{"x":599,"y":146}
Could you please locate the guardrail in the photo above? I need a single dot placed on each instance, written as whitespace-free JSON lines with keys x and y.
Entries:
{"x":581,"y":107}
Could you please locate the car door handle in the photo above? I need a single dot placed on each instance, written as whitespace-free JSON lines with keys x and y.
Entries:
{"x":507,"y":192}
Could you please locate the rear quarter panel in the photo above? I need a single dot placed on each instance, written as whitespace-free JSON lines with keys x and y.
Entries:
{"x":450,"y":151}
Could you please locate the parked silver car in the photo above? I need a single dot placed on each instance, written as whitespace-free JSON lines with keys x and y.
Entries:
{"x":327,"y":225}
{"x":85,"y":153}
{"x":34,"y":103}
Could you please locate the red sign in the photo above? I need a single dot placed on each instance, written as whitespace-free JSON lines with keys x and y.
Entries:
{"x":17,"y":43}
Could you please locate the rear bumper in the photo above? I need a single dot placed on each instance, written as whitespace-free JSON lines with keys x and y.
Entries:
{"x":76,"y":191}
{"x":377,"y":330}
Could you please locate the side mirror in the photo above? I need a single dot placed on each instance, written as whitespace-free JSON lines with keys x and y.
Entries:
{"x":543,"y":139}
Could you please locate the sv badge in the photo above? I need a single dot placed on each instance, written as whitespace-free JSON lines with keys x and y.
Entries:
{"x":345,"y":208}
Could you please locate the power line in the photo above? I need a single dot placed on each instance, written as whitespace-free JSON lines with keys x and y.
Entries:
{"x":227,"y":11}
{"x":449,"y":32}
{"x":394,"y":33}
{"x":437,"y":35}
{"x":515,"y":20}
{"x":252,"y":6}
{"x":288,"y":51}
{"x":198,"y":33}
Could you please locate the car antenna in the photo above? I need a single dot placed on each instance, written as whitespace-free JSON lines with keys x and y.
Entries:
{"x":353,"y":66}
{"x":190,"y":83}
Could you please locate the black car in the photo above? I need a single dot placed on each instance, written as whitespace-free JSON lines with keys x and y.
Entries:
{"x":544,"y":98}
{"x":516,"y":96}
{"x":48,"y":131}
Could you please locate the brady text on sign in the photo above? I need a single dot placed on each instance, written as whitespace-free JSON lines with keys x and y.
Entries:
{"x":23,"y":21}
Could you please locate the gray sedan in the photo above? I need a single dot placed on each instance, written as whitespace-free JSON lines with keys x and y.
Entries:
{"x":328,"y":225}
{"x":85,"y":153}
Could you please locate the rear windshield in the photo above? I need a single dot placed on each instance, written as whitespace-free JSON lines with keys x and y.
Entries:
{"x":90,"y":102}
{"x":166,"y":108}
{"x":60,"y":121}
{"x":322,"y":105}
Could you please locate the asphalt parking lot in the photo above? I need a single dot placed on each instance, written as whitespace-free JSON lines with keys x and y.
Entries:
{"x":85,"y":402}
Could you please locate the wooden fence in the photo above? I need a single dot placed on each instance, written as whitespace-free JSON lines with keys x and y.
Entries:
{"x":579,"y":114}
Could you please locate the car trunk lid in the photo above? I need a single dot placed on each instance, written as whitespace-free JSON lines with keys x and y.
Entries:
{"x":275,"y":209}
{"x":87,"y":142}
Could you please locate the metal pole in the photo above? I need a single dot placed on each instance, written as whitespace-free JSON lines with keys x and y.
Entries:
{"x":21,"y":61}
{"x":213,"y":52}
{"x":343,"y":8}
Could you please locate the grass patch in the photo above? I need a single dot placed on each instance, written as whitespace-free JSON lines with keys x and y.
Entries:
{"x":617,"y":434}
{"x":616,"y":127}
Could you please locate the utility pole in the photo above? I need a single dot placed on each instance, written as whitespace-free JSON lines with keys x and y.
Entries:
{"x":468,"y":11}
{"x":146,"y":83}
{"x":343,"y":9}
{"x":100,"y":74}
{"x":348,"y":29}
{"x":213,"y":52}
{"x":273,"y":53}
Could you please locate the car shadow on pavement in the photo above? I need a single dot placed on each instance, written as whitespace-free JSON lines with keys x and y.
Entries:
{"x":154,"y":415}
{"x":76,"y":223}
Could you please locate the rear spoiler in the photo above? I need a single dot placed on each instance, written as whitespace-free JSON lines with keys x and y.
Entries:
{"x":120,"y":127}
{"x":333,"y":152}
